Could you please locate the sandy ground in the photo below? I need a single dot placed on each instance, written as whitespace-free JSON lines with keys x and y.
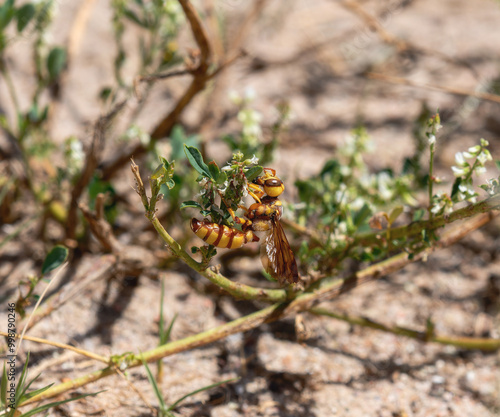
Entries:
{"x":314,"y":55}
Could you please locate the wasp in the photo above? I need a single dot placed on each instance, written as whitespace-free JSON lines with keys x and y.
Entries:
{"x":263,"y":216}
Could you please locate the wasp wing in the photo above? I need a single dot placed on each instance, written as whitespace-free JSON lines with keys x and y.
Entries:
{"x":276,"y":255}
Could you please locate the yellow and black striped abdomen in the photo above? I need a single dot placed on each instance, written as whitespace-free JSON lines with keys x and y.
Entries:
{"x":220,"y":235}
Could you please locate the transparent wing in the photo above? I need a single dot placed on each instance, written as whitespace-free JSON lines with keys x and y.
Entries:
{"x":277,"y":257}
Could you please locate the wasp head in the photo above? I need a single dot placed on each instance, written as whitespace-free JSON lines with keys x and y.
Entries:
{"x":272,"y":185}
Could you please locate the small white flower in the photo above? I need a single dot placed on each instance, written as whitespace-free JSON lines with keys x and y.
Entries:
{"x":432,"y":139}
{"x":480,"y":170}
{"x":459,"y":172}
{"x":252,"y":130}
{"x":342,"y":227}
{"x":459,"y":159}
{"x":250,"y":94}
{"x":467,"y":155}
{"x":384,"y":180}
{"x":436,"y":208}
{"x":203,"y":183}
{"x":254,"y":160}
{"x":225,"y":185}
{"x":357,"y":203}
{"x":484,"y":143}
{"x":227,"y":168}
{"x":475,"y":149}
{"x":345,"y":170}
{"x":235,"y":97}
{"x":484,"y":156}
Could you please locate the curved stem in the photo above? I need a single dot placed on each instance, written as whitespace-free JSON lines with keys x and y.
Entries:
{"x":463,"y":342}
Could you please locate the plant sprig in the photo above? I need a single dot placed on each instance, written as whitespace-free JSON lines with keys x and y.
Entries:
{"x":221,"y":188}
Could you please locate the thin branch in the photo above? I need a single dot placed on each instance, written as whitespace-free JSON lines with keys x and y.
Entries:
{"x":372,"y":22}
{"x":302,"y":230}
{"x":59,"y":345}
{"x":99,"y":226}
{"x":156,"y":77}
{"x":413,"y":229}
{"x":304,"y":302}
{"x":463,"y":342}
{"x":451,"y":90}
{"x":39,"y":301}
{"x":92,"y":159}
{"x":376,"y":24}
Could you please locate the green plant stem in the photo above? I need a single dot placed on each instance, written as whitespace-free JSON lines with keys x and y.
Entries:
{"x":305,"y":301}
{"x":431,"y":179}
{"x":10,"y":86}
{"x":416,"y":228}
{"x":234,"y":288}
{"x":462,"y":342}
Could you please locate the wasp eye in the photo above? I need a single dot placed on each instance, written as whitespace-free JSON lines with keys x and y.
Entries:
{"x":274,"y":182}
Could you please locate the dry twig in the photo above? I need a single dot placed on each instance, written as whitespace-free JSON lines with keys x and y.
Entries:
{"x":200,"y":78}
{"x":450,"y":90}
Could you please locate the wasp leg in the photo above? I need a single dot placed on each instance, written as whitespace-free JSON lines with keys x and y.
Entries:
{"x":243,"y":208}
{"x":273,"y":171}
{"x":245,"y":224}
{"x":256,"y":192}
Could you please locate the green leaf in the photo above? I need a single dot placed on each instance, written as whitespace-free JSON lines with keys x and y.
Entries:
{"x":454,"y":189}
{"x":56,"y":62}
{"x":21,"y":384}
{"x":7,"y":12}
{"x":196,"y":160}
{"x":178,"y":139}
{"x":55,"y":258}
{"x":253,"y":172}
{"x":361,"y":215}
{"x":134,"y":18}
{"x":175,"y":404}
{"x":37,"y":391}
{"x":24,"y":15}
{"x":214,"y":169}
{"x":3,"y":387}
{"x":191,"y":203}
{"x":419,"y":215}
{"x":105,"y":93}
{"x":221,"y":178}
{"x":164,"y":173}
{"x":330,"y":166}
{"x":497,"y":163}
{"x":395,"y":213}
{"x":426,"y":237}
{"x":165,"y":337}
{"x":58,"y":403}
{"x":153,"y":383}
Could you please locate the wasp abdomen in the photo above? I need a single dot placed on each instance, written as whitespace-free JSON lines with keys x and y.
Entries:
{"x":220,"y":235}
